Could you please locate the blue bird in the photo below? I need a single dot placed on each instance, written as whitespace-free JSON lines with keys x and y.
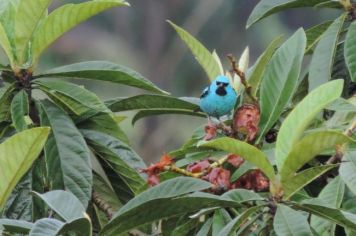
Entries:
{"x":219,"y":98}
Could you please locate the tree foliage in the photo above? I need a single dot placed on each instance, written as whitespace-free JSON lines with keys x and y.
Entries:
{"x":283,"y":164}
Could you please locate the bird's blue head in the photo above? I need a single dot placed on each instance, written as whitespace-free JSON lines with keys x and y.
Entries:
{"x":221,"y":85}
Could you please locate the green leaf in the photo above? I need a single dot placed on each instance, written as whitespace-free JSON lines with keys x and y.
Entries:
{"x":332,"y":195}
{"x":260,"y":66}
{"x":120,"y":157}
{"x":16,"y":226}
{"x":46,"y":226}
{"x":28,"y":16}
{"x":19,"y":108}
{"x":220,"y":218}
{"x":164,"y":205}
{"x":243,"y":169}
{"x":268,"y":7}
{"x":246,"y":151}
{"x":184,"y":228}
{"x":204,"y":230}
{"x":347,"y":170}
{"x":77,"y":93}
{"x":280,"y":80}
{"x":70,"y":148}
{"x":19,"y":204}
{"x":242,"y":195}
{"x":288,"y":222}
{"x":105,"y":123}
{"x":103,"y":71}
{"x":5,"y":103}
{"x":302,"y":152}
{"x":350,"y":51}
{"x":323,"y":58}
{"x":147,"y":101}
{"x":16,"y":156}
{"x":6,"y":45}
{"x":104,"y":191}
{"x":65,"y":18}
{"x":340,"y":217}
{"x":314,"y":34}
{"x":294,"y":125}
{"x":65,"y":204}
{"x":202,"y":55}
{"x":330,"y":4}
{"x":154,"y":112}
{"x":233,"y":225}
{"x":293,"y":185}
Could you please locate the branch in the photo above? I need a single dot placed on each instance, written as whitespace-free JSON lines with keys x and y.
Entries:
{"x":340,"y":149}
{"x":235,"y":69}
{"x":102,"y":205}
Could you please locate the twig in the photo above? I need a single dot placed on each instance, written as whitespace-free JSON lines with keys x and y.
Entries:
{"x":235,"y":69}
{"x":178,"y":170}
{"x":340,"y":149}
{"x":102,"y":205}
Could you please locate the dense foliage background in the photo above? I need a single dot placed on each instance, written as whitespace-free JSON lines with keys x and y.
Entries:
{"x":282,"y":164}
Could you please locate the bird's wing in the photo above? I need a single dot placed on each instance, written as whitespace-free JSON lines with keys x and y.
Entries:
{"x":205,"y":92}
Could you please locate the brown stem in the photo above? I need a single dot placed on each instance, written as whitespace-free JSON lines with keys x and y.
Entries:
{"x":340,"y":149}
{"x":235,"y":69}
{"x":102,"y":205}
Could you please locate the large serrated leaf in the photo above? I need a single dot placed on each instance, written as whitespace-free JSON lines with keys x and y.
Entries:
{"x":340,"y":217}
{"x":288,"y":222}
{"x":350,"y":51}
{"x":5,"y":103}
{"x":347,"y":170}
{"x":105,"y":123}
{"x":147,"y":101}
{"x":246,"y":151}
{"x":16,"y":156}
{"x":314,"y":34}
{"x":254,"y":79}
{"x":322,"y":61}
{"x":332,"y":195}
{"x":203,"y":56}
{"x":6,"y":45}
{"x":70,"y":148}
{"x":120,"y":157}
{"x":19,"y":108}
{"x":103,"y":71}
{"x":220,"y":218}
{"x":65,"y":204}
{"x":65,"y":18}
{"x":154,"y":112}
{"x":16,"y":226}
{"x":75,"y":92}
{"x":163,"y":204}
{"x":294,"y":125}
{"x":293,"y":185}
{"x":28,"y":16}
{"x":268,"y":7}
{"x":303,"y":152}
{"x":280,"y":80}
{"x":232,"y":226}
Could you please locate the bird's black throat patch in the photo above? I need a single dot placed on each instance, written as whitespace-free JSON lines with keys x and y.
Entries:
{"x":221,"y":91}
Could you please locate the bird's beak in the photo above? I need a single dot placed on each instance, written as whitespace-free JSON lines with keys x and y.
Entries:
{"x":221,"y":85}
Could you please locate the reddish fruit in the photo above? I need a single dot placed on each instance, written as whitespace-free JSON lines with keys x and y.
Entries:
{"x":198,"y":166}
{"x":246,"y":121}
{"x":235,"y":160}
{"x":220,"y":178}
{"x":253,"y":180}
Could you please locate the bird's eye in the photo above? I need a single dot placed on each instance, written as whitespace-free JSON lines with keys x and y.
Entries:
{"x":225,"y":84}
{"x":218,"y":83}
